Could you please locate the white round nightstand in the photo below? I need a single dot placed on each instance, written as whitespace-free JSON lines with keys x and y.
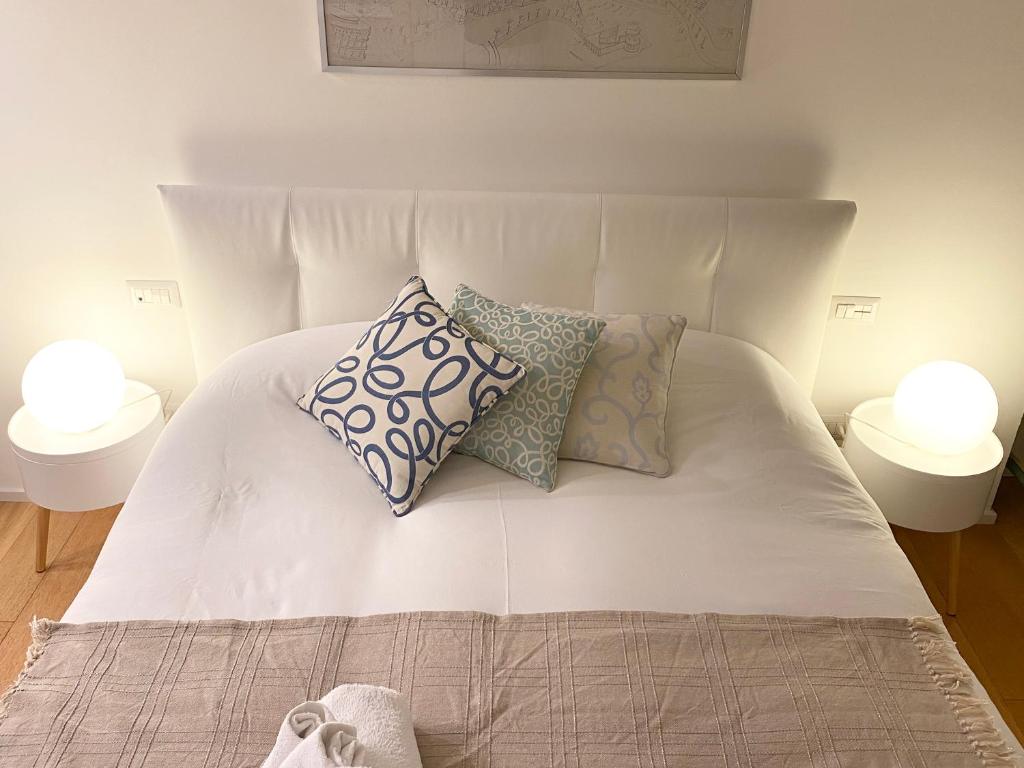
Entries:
{"x":90,"y":470}
{"x":917,"y":489}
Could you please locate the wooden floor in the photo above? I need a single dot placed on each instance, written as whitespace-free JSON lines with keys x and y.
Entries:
{"x":75,"y":542}
{"x":989,"y":627}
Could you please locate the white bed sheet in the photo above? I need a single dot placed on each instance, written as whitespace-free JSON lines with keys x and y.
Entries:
{"x":249,"y":509}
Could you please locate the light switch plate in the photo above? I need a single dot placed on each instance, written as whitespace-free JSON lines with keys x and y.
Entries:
{"x":163,"y":293}
{"x":859,"y":309}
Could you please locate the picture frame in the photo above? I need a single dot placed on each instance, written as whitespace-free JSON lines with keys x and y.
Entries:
{"x":656,"y":39}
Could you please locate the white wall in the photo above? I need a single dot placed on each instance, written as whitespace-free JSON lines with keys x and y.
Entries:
{"x":912,"y":108}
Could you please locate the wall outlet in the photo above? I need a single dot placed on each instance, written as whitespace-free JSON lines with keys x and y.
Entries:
{"x":860,"y":309}
{"x":159,"y":292}
{"x":836,"y":425}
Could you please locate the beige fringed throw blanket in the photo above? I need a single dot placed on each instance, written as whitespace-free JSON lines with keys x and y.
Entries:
{"x":570,"y":690}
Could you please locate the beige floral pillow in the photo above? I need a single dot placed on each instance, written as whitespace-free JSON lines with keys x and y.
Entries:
{"x":618,"y":412}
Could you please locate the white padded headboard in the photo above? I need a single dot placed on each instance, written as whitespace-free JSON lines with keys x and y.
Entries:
{"x":257,"y":262}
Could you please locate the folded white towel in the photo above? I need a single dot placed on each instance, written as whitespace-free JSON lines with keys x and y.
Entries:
{"x":332,"y":744}
{"x":383,"y":721}
{"x":299,"y":723}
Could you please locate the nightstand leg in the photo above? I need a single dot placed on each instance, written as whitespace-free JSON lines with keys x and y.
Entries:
{"x":954,"y":572}
{"x":42,"y":536}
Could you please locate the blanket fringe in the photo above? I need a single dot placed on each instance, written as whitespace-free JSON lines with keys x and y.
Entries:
{"x":42,"y":631}
{"x":955,"y":681}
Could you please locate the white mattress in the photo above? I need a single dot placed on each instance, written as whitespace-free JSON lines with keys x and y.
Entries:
{"x":249,"y":509}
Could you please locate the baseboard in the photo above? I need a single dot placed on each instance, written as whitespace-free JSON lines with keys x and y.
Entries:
{"x":12,"y":494}
{"x":988,"y":517}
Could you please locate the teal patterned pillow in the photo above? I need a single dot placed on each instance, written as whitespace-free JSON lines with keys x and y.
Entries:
{"x":522,"y":431}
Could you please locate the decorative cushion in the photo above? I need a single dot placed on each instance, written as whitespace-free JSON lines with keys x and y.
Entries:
{"x":522,"y":432}
{"x":407,"y":393}
{"x":618,"y":413}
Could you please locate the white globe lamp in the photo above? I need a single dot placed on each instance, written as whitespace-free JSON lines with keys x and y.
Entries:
{"x":73,"y":386}
{"x":945,"y":407}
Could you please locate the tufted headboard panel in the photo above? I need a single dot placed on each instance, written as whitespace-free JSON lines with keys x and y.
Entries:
{"x":257,"y":262}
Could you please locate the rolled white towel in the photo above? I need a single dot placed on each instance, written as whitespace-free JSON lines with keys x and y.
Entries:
{"x":332,"y":744}
{"x":299,"y":723}
{"x":383,"y":721}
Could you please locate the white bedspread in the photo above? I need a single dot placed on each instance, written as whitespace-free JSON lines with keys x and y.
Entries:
{"x":249,"y":509}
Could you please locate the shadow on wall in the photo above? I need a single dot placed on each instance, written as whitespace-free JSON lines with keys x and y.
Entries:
{"x":661,"y":164}
{"x":1017,"y":453}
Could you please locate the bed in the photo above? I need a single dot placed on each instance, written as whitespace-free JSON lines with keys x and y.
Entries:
{"x":248,"y":510}
{"x":760,"y":515}
{"x":252,"y":500}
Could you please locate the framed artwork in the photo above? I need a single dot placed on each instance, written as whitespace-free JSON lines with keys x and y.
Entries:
{"x":560,"y":38}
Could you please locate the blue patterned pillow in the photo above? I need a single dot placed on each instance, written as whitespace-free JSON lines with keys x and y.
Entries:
{"x":407,"y":393}
{"x":521,"y":434}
